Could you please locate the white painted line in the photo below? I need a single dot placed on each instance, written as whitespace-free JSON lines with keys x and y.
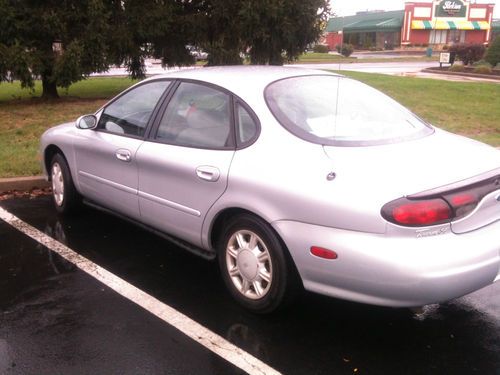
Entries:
{"x":189,"y":327}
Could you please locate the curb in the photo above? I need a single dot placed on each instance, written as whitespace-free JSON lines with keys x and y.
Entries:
{"x":23,"y":183}
{"x":462,"y":74}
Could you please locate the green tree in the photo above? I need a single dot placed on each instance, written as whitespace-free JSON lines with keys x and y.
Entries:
{"x":218,"y":30}
{"x":62,"y":42}
{"x":58,"y":41}
{"x":493,"y":52}
{"x":276,"y":31}
{"x":270,"y":31}
{"x":151,"y":28}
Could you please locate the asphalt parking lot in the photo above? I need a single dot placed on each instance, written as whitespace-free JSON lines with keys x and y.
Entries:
{"x":57,"y":319}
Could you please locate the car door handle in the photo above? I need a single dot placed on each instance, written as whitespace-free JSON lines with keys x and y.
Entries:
{"x":208,"y":173}
{"x":123,"y":155}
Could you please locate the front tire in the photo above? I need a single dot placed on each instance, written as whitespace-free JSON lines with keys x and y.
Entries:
{"x":255,"y":265}
{"x":64,"y":193}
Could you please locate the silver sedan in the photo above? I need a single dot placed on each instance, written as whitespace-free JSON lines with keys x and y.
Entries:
{"x":292,"y":179}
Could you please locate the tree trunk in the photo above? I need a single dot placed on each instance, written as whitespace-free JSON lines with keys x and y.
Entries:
{"x":49,"y":89}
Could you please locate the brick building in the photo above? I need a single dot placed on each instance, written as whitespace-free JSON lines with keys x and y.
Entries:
{"x":438,"y":23}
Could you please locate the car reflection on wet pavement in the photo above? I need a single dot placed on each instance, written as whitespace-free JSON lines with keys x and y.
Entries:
{"x":56,"y":319}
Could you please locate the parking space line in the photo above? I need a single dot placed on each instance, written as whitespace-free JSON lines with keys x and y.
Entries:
{"x":181,"y":322}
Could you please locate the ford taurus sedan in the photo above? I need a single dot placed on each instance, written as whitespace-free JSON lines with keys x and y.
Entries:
{"x":292,"y":179}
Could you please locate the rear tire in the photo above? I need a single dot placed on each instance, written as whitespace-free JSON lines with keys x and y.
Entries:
{"x":255,"y":265}
{"x":66,"y":198}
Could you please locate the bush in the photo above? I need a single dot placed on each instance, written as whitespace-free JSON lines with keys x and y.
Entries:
{"x":346,"y":50}
{"x":321,"y":48}
{"x":457,"y":68}
{"x":483,"y":69}
{"x":493,"y":53}
{"x":468,"y":53}
{"x":482,"y":62}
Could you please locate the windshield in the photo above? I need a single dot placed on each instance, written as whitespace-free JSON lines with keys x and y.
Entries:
{"x":333,"y":110}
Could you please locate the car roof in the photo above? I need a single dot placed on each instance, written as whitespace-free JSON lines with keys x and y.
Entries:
{"x":242,"y":80}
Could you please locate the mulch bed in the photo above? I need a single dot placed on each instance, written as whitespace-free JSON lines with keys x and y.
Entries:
{"x":25,"y":194}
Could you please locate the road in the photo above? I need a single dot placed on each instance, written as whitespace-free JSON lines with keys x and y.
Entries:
{"x":384,"y":67}
{"x":413,"y":69}
{"x":57,"y":319}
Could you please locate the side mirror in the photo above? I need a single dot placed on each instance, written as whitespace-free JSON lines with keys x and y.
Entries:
{"x":86,"y":122}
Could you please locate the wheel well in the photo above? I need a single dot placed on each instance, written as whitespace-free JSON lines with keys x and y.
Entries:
{"x":227,"y":214}
{"x":220,"y":221}
{"x":49,"y":153}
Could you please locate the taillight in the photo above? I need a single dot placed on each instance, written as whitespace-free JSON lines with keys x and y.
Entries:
{"x":440,"y":205}
{"x":417,"y":213}
{"x":463,"y":202}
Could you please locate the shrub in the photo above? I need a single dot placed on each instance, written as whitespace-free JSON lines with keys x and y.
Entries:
{"x":493,"y":53}
{"x":468,"y":53}
{"x":482,"y":62}
{"x":483,"y":69}
{"x":457,"y":68}
{"x":346,"y":50}
{"x":321,"y":48}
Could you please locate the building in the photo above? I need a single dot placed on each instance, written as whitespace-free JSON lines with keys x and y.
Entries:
{"x":438,"y":23}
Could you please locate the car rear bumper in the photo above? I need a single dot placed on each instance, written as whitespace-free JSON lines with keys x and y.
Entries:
{"x":398,"y":271}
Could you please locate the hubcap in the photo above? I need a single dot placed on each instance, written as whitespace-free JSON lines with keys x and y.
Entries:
{"x":57,"y":184}
{"x":249,"y":264}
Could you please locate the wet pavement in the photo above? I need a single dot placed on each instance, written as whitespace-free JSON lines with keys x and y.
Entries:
{"x":55,"y":319}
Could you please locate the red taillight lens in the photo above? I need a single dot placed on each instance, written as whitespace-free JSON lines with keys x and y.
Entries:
{"x":462,"y":199}
{"x":417,"y":213}
{"x":463,"y":203}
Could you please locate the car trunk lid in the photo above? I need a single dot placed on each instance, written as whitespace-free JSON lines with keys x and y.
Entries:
{"x":408,"y":168}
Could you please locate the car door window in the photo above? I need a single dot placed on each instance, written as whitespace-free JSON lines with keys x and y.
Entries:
{"x":130,"y":113}
{"x":197,"y":116}
{"x":247,"y":126}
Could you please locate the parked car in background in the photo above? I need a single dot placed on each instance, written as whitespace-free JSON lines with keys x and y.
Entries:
{"x":197,"y":53}
{"x":291,"y":178}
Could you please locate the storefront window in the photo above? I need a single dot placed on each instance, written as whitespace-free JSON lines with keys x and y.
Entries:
{"x":457,"y":36}
{"x":438,"y":37}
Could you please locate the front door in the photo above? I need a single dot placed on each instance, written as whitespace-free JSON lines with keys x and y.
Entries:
{"x":106,"y":157}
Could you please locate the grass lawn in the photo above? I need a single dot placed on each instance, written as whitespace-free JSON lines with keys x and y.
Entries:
{"x":325,"y":58}
{"x":25,"y":118}
{"x":471,"y":109}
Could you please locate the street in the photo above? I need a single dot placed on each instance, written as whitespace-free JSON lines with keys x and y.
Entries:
{"x":402,"y":68}
{"x":57,"y":319}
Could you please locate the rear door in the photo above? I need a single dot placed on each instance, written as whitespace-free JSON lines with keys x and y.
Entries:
{"x":106,"y":157}
{"x":183,"y":168}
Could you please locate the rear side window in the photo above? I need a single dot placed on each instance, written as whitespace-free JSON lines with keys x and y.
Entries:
{"x":130,"y":113}
{"x":247,"y":128}
{"x":197,"y":116}
{"x":333,"y":110}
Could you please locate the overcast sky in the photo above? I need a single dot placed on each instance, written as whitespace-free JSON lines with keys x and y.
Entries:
{"x":349,"y":7}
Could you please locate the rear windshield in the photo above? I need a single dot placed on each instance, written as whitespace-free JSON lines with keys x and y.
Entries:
{"x":333,"y":110}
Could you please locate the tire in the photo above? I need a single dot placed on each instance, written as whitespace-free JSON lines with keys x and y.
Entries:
{"x":66,"y":198}
{"x":264,"y":279}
